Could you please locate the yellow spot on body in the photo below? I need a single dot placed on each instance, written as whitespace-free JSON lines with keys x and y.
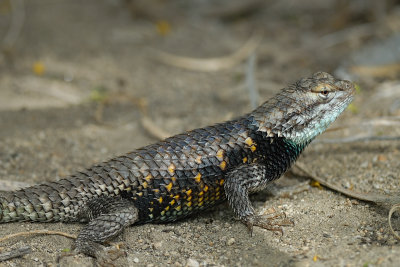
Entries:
{"x":173,"y":179}
{"x":221,"y":182}
{"x":156,"y":191}
{"x":148,"y":178}
{"x":176,"y":197}
{"x":163,"y":213}
{"x":200,"y":203}
{"x":244,"y":159}
{"x":217,"y":189}
{"x":151,"y":209}
{"x":144,"y":184}
{"x":220,"y":154}
{"x":189,"y":192}
{"x":205,"y":188}
{"x":315,"y":258}
{"x":172,"y":202}
{"x":201,"y":199}
{"x":248,"y":141}
{"x":201,"y":193}
{"x":253,"y":148}
{"x":171,"y":169}
{"x":166,"y":208}
{"x":189,"y":198}
{"x":151,"y":216}
{"x":128,"y":189}
{"x":222,"y":165}
{"x":189,"y":204}
{"x":198,"y":159}
{"x":160,"y":200}
{"x":169,"y":187}
{"x":139,"y":194}
{"x":198,"y":178}
{"x":178,"y":208}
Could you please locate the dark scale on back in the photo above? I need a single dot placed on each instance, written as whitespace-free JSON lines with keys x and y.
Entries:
{"x":189,"y":172}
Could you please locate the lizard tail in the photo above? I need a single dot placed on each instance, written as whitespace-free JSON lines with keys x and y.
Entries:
{"x":28,"y":204}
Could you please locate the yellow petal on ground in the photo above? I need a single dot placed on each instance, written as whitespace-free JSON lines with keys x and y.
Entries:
{"x":163,"y":27}
{"x":38,"y":68}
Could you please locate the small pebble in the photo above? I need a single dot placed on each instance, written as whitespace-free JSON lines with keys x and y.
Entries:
{"x":230,"y":242}
{"x":192,"y":263}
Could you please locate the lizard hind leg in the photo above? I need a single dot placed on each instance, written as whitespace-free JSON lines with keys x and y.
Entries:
{"x":108,"y":217}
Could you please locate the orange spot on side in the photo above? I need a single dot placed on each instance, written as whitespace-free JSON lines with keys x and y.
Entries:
{"x":205,"y":188}
{"x":248,"y":141}
{"x":169,"y":187}
{"x":222,"y":165}
{"x":253,"y":148}
{"x":244,"y":159}
{"x":198,"y":160}
{"x":198,"y":178}
{"x":220,"y":154}
{"x":171,"y":169}
{"x":148,"y":177}
{"x":221,"y":182}
{"x":189,"y":192}
{"x":160,"y":200}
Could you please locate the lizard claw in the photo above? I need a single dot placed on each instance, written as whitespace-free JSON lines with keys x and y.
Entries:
{"x":272,"y":221}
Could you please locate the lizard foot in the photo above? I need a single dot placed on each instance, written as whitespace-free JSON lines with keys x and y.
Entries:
{"x":270,"y":220}
{"x":104,"y":256}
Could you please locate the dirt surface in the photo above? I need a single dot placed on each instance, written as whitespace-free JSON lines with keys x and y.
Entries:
{"x":81,"y":75}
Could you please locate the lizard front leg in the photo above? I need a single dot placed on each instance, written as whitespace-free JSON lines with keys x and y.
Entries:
{"x":239,"y":183}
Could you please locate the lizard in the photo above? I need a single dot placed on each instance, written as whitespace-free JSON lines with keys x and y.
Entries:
{"x":188,"y":172}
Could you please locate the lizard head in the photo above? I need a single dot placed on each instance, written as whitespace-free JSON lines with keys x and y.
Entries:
{"x":306,"y":108}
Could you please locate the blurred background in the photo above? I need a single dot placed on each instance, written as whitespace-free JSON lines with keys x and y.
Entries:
{"x":82,"y":81}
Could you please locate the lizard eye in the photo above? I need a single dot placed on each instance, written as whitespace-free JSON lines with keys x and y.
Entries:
{"x":324,"y":94}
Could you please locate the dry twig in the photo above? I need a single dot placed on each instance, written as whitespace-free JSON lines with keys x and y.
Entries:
{"x":353,"y":139}
{"x":211,"y":64}
{"x":37,"y":232}
{"x":153,"y":129}
{"x":361,"y":196}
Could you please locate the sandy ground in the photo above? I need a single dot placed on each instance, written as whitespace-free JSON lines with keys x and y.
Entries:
{"x":95,"y":52}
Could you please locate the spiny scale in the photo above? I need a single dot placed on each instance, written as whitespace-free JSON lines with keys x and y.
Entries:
{"x":189,"y":172}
